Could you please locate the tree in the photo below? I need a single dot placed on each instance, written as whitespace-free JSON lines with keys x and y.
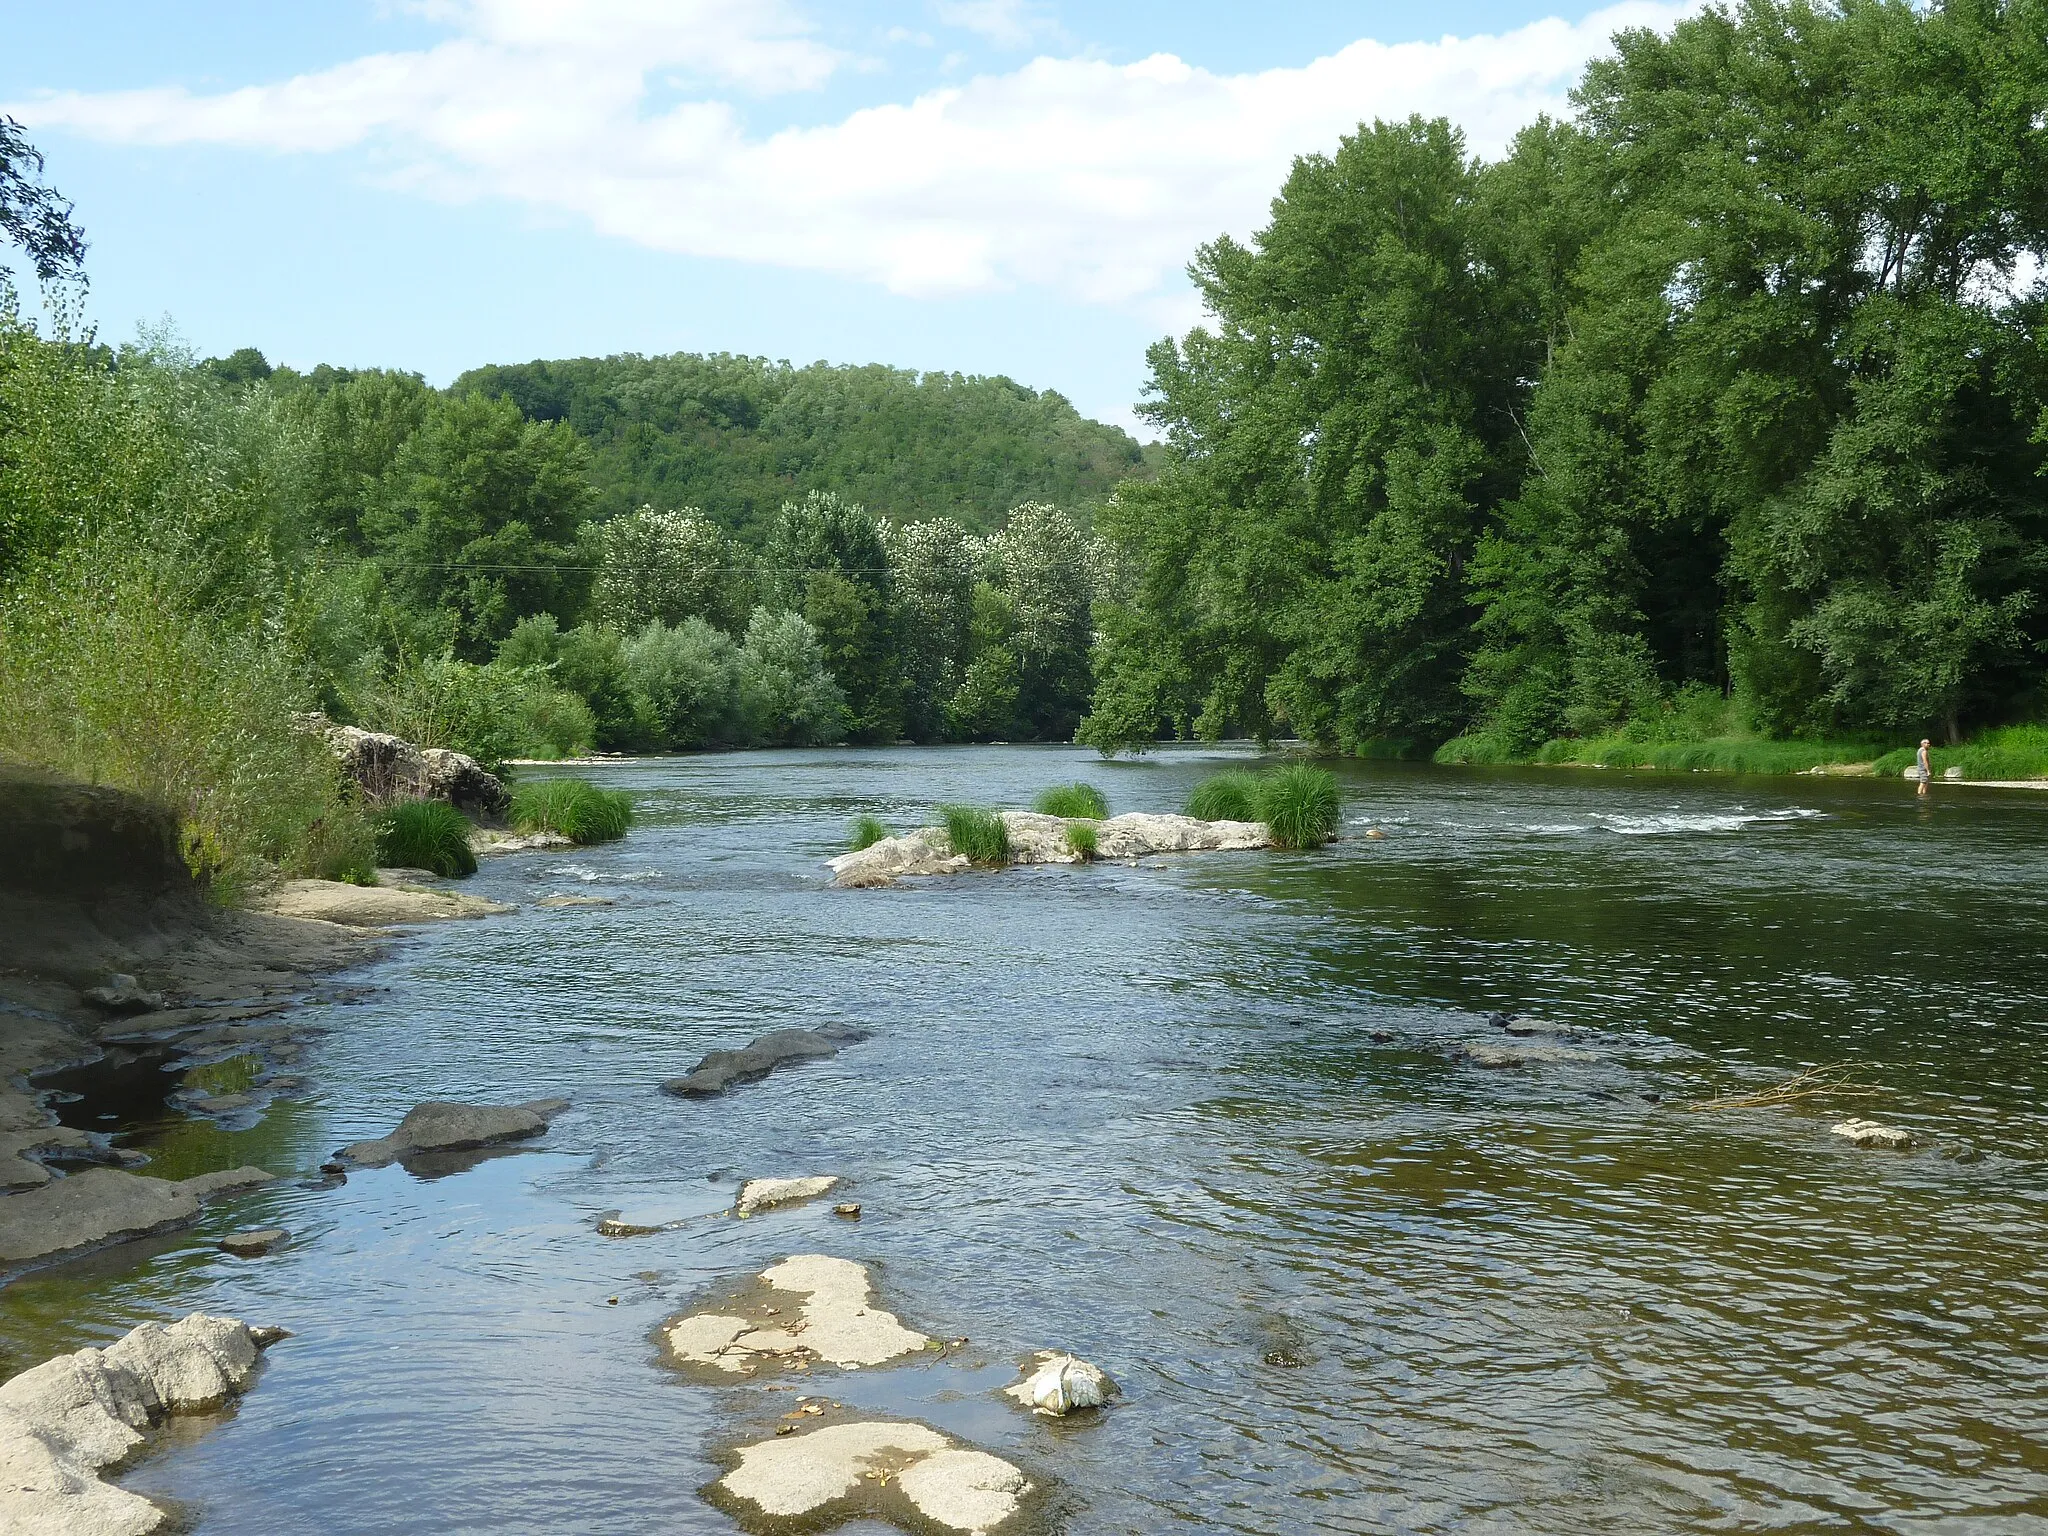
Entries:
{"x":32,"y":214}
{"x":825,"y":560}
{"x":665,"y":567}
{"x":787,"y":694}
{"x":932,"y":566}
{"x":1040,"y":565}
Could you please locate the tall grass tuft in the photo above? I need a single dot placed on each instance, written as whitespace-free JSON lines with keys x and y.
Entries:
{"x":1082,"y":841}
{"x":572,"y":808}
{"x":1083,"y":801}
{"x":425,"y":834}
{"x":1228,"y":796}
{"x":980,"y":834}
{"x":1300,"y":804}
{"x":864,"y":832}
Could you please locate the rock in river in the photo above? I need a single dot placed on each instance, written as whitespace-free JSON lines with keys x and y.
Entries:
{"x":103,"y":1205}
{"x":1868,"y":1133}
{"x":1057,"y":1384}
{"x":907,"y":1474}
{"x":760,"y":1194}
{"x":65,"y":1420}
{"x":1041,"y":839}
{"x":721,"y":1069}
{"x":445,"y":1127}
{"x":252,"y":1243}
{"x":833,"y":1321}
{"x":370,"y":906}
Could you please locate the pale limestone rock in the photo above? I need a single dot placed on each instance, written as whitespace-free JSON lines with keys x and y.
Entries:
{"x":760,"y":1194}
{"x":1136,"y":834}
{"x":1868,"y":1133}
{"x":964,"y":1490}
{"x":1057,"y":1384}
{"x":440,"y":1126}
{"x":1040,"y":839}
{"x":833,"y":1321}
{"x":369,"y":906}
{"x":800,"y":1474}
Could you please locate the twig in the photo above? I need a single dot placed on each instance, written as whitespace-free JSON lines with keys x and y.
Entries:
{"x":1814,"y":1082}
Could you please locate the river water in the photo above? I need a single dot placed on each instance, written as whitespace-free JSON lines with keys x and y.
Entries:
{"x":1196,"y":1120}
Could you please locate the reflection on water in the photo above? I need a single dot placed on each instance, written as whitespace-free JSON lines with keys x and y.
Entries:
{"x":1195,"y":1120}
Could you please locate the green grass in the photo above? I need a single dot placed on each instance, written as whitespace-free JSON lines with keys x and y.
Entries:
{"x":2007,"y":752}
{"x":573,"y":808}
{"x":425,"y":834}
{"x":978,"y":833}
{"x":864,"y":832}
{"x":1073,"y":800}
{"x":1228,"y":796}
{"x":1081,"y":840}
{"x":1300,"y":804}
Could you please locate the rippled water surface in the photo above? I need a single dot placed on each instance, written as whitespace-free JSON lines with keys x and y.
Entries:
{"x":1197,"y":1120}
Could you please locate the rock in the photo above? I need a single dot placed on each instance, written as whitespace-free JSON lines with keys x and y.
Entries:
{"x":253,"y":1243}
{"x":486,"y":842}
{"x":388,"y":767}
{"x":1523,"y":1026}
{"x":462,"y":782}
{"x":835,"y":1322}
{"x":908,"y":1474}
{"x":760,"y":1194}
{"x":122,"y":994}
{"x":721,"y":1069}
{"x":62,"y":1422}
{"x":1952,"y":772}
{"x":848,"y":1209}
{"x":575,"y":901}
{"x":923,"y":852}
{"x":1057,"y":1384}
{"x":369,"y":906}
{"x":438,"y":1126}
{"x":1481,"y":1053}
{"x":1868,"y":1133}
{"x":401,"y":878}
{"x":18,"y":1170}
{"x":1041,"y":839}
{"x":1135,"y":835}
{"x":103,"y":1205}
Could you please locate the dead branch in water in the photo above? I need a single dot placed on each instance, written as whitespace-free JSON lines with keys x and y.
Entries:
{"x":1829,"y":1081}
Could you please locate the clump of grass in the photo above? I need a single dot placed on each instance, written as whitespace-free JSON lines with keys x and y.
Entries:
{"x":425,"y":834}
{"x":864,"y":832}
{"x":573,"y":808}
{"x":1229,"y":796}
{"x":2006,"y":752}
{"x":1081,"y":840}
{"x":978,"y":833}
{"x":1300,"y":804}
{"x":1072,"y":800}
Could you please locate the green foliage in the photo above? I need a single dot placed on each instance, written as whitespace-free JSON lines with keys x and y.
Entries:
{"x":1229,"y":796}
{"x":493,"y":713}
{"x":787,"y":695}
{"x":689,"y":677}
{"x":425,"y":834}
{"x":574,"y":808}
{"x":2007,"y":752}
{"x":826,"y":560}
{"x":1072,"y":800}
{"x":1082,"y":841}
{"x":865,"y":832}
{"x":1300,"y":805}
{"x":933,"y":565}
{"x":740,"y":436}
{"x":666,"y":567}
{"x":980,"y":834}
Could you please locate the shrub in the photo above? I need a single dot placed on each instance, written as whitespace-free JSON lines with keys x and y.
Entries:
{"x":342,"y":845}
{"x":1081,"y":840}
{"x":978,"y":833}
{"x":689,"y":676}
{"x":425,"y":834}
{"x":572,"y":808}
{"x":1073,"y":800}
{"x":491,"y":712}
{"x":1230,"y":796}
{"x":1300,"y":804}
{"x":865,"y":832}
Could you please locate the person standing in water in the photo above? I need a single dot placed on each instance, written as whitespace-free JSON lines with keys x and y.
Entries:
{"x":1926,"y":765}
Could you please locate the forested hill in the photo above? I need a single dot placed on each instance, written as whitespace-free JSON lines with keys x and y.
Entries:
{"x":739,"y":436}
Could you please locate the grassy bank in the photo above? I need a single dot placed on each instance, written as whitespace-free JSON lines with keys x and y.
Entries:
{"x":2006,"y":752}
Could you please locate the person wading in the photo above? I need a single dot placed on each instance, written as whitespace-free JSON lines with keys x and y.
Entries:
{"x":1926,"y":765}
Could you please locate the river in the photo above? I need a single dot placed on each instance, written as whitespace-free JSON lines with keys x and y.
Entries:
{"x":1195,"y":1120}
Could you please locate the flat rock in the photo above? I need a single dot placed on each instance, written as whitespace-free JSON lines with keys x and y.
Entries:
{"x":104,"y":1205}
{"x":65,"y":1420}
{"x":18,"y":1170}
{"x":369,"y":906}
{"x":1039,"y":839}
{"x":252,"y":1243}
{"x":810,"y":1307}
{"x":720,"y":1070}
{"x":760,"y":1194}
{"x":488,"y":842}
{"x":908,"y":1474}
{"x":122,"y":994}
{"x":1868,"y":1133}
{"x":1481,"y":1053}
{"x":439,"y":1126}
{"x":575,"y":901}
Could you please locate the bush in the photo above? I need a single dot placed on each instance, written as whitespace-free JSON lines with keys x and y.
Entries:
{"x":980,"y":834}
{"x":425,"y":834}
{"x":1073,"y":800}
{"x":572,"y":808}
{"x":491,"y":712}
{"x":1230,"y":796}
{"x":1300,"y":805}
{"x":865,"y":832}
{"x":1081,"y":841}
{"x":341,"y":845}
{"x":689,"y":676}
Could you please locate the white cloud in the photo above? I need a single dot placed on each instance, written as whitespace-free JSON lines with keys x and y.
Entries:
{"x":1006,"y":23}
{"x":1092,"y":179}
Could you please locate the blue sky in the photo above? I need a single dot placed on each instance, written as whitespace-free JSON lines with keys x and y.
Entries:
{"x":989,"y":186}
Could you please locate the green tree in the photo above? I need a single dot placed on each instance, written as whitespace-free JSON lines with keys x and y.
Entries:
{"x":932,"y":566}
{"x":825,"y":560}
{"x":666,"y":567}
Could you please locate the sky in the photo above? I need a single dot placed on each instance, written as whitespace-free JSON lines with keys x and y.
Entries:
{"x":980,"y":186}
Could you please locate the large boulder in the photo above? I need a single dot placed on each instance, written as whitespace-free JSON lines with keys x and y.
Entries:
{"x":387,"y":767}
{"x":439,"y":1126}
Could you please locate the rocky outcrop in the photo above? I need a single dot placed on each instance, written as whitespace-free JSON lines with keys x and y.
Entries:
{"x":387,"y":767}
{"x":805,"y":1309}
{"x":445,"y":1127}
{"x":763,"y":1194}
{"x":369,"y":906}
{"x":63,"y":1422}
{"x":105,"y":1205}
{"x":720,"y":1070}
{"x":910,"y":1475}
{"x":1040,"y":839}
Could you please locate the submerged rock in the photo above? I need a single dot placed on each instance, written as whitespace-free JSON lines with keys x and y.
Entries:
{"x":760,"y":1194}
{"x":105,"y":1205}
{"x":439,"y":1126}
{"x":834,"y":1322}
{"x":1039,"y":839}
{"x":720,"y":1070}
{"x":1057,"y":1384}
{"x":1868,"y":1133}
{"x":575,"y":901}
{"x":369,"y":906}
{"x":908,"y":1474}
{"x":253,"y":1243}
{"x":64,"y":1421}
{"x":1481,"y":1053}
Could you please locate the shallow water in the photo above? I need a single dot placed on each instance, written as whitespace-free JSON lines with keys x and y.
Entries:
{"x":1192,"y":1119}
